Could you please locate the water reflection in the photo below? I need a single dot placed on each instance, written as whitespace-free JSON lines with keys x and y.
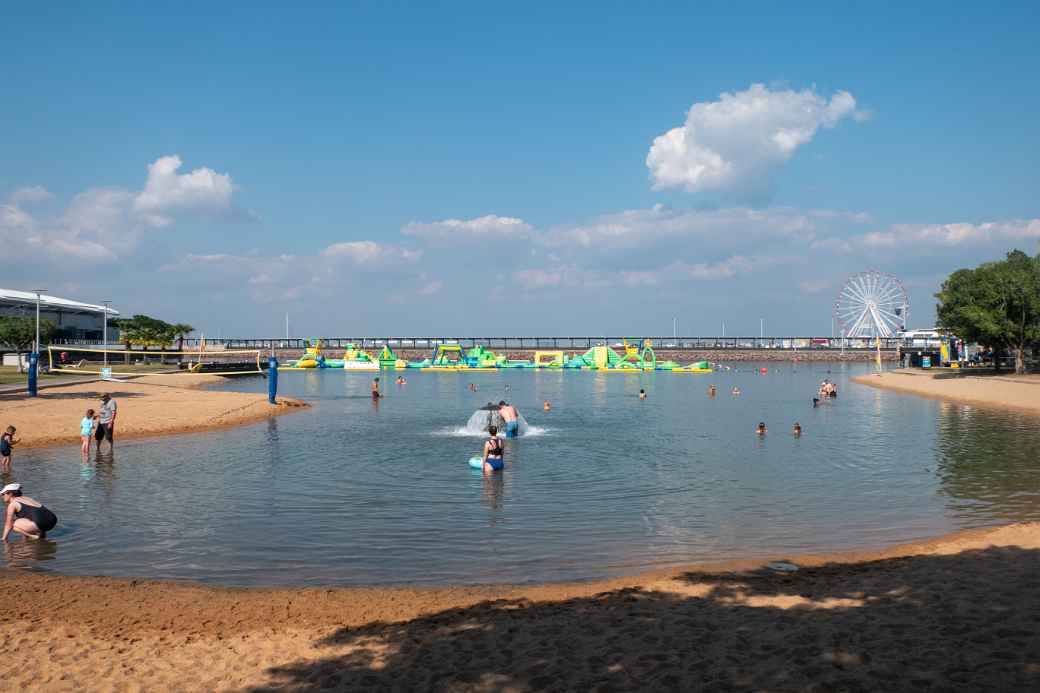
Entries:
{"x":493,"y":488}
{"x":987,"y":462}
{"x":22,"y":552}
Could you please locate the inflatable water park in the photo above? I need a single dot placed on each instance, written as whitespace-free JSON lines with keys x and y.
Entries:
{"x":634,"y":358}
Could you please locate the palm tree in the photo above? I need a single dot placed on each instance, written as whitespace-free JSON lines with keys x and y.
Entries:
{"x":180,"y":330}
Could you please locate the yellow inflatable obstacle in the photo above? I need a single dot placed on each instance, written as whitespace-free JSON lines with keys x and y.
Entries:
{"x":548,"y":359}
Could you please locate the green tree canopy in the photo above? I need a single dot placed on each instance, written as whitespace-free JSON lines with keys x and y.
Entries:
{"x":997,"y":304}
{"x":19,"y":333}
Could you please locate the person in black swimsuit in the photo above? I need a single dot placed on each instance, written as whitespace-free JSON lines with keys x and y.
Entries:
{"x":493,"y":451}
{"x":25,"y":515}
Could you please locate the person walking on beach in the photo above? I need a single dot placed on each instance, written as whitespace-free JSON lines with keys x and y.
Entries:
{"x":509,"y":416}
{"x":375,"y":389}
{"x":106,"y":427}
{"x":7,"y":443}
{"x":25,"y":515}
{"x":86,"y":431}
{"x":493,"y":452}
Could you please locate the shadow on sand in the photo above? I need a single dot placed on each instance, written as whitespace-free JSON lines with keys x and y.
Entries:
{"x":55,"y":394}
{"x":969,"y":621}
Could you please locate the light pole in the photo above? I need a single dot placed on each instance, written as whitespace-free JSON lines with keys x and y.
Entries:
{"x":34,"y":357}
{"x":675,"y":327}
{"x":104,"y":333}
{"x":761,"y":328}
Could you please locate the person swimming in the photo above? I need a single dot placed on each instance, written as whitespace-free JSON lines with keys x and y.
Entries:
{"x":761,"y":428}
{"x":375,"y":389}
{"x":797,"y":430}
{"x":493,"y":460}
{"x":400,"y":380}
{"x":642,"y":393}
{"x":472,"y":387}
{"x":546,"y":406}
{"x":735,"y":391}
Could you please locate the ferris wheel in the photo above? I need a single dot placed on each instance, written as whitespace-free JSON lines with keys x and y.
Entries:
{"x":872,"y":304}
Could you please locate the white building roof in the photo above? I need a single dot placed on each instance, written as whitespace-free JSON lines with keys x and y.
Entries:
{"x":48,"y":301}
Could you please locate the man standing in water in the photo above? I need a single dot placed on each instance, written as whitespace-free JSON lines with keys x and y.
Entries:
{"x":106,"y":428}
{"x":509,"y":415}
{"x":375,"y":388}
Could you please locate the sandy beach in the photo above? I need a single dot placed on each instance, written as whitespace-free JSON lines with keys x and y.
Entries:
{"x":1003,"y":391}
{"x":961,"y":612}
{"x":148,"y":406}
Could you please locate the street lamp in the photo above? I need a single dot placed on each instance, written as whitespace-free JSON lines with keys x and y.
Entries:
{"x":37,"y":292}
{"x":34,"y":357}
{"x":104,"y":333}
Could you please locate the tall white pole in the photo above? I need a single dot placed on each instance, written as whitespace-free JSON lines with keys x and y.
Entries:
{"x":36,"y":348}
{"x":761,"y":327}
{"x":723,"y":328}
{"x":287,"y":327}
{"x":104,"y":333}
{"x":675,"y":327}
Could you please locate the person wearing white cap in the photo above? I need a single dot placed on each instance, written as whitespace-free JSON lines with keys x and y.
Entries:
{"x":25,"y":515}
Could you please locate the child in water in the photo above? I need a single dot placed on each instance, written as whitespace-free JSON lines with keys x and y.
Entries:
{"x":761,"y":429}
{"x":642,"y":394}
{"x":547,"y":406}
{"x":7,"y":442}
{"x":797,"y":431}
{"x":86,"y":431}
{"x":735,"y":391}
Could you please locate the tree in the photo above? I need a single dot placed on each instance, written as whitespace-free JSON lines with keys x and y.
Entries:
{"x":996,"y":304}
{"x":180,"y":331}
{"x":20,"y":333}
{"x":145,"y":331}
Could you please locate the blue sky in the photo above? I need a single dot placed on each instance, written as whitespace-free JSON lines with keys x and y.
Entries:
{"x":464,"y":168}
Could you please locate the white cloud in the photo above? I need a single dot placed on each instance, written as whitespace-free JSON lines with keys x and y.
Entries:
{"x":105,"y":223}
{"x":202,"y":191}
{"x":735,"y":143}
{"x":938,"y":235}
{"x":30,"y":195}
{"x":568,"y":276}
{"x":814,"y":286}
{"x":489,"y":227}
{"x":431,"y":288}
{"x":370,"y":253}
{"x":732,"y":225}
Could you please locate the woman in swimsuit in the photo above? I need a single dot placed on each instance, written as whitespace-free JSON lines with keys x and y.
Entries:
{"x":493,"y":451}
{"x":25,"y":515}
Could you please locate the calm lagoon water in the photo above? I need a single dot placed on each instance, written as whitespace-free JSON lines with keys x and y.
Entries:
{"x":356,"y":493}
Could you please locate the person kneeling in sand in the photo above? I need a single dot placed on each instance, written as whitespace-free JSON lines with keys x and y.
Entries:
{"x":25,"y":515}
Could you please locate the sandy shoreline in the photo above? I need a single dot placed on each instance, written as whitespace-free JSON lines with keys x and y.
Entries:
{"x":960,"y":612}
{"x":148,"y":406}
{"x":1020,"y":392}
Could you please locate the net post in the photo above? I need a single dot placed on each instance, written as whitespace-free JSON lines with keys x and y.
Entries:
{"x":272,"y":379}
{"x":34,"y":364}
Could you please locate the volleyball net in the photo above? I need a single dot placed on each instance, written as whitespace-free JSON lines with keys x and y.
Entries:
{"x":127,"y":362}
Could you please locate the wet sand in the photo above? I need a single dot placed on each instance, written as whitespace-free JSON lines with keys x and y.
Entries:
{"x":148,"y":406}
{"x":1001,"y":391}
{"x":958,"y":613}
